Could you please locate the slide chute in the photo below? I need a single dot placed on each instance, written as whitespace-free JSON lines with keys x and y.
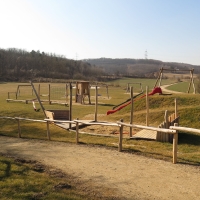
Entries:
{"x":154,"y":91}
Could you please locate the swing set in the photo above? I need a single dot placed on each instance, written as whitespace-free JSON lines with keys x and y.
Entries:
{"x":191,"y":71}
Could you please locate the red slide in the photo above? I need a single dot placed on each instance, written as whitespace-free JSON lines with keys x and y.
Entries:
{"x":154,"y":91}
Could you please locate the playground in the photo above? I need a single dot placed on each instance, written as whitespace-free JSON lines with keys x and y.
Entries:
{"x":148,"y":110}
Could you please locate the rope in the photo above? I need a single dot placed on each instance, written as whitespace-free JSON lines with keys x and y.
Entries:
{"x":36,"y":110}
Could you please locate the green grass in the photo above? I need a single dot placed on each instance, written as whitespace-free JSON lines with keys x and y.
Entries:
{"x":188,"y":109}
{"x":144,"y":81}
{"x":21,"y":180}
{"x":181,"y":87}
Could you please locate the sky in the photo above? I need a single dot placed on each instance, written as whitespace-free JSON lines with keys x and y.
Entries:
{"x":168,"y":30}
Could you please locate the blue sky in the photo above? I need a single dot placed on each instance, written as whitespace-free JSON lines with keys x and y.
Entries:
{"x":169,"y":30}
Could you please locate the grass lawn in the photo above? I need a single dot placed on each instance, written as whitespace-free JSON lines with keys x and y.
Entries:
{"x":188,"y":146}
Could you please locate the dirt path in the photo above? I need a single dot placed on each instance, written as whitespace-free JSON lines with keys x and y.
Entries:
{"x":128,"y":176}
{"x":164,"y":89}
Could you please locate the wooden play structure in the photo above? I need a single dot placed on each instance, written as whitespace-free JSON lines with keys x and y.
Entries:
{"x":150,"y":134}
{"x":170,"y":120}
{"x":50,"y":93}
{"x":191,"y":71}
{"x":82,"y":90}
{"x":100,"y":86}
{"x":54,"y":114}
{"x":131,"y":84}
{"x":17,"y":94}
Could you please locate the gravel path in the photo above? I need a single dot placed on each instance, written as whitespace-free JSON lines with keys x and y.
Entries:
{"x":164,"y":89}
{"x":128,"y":176}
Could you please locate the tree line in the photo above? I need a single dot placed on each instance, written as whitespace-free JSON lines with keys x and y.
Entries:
{"x":20,"y":65}
{"x":146,"y":68}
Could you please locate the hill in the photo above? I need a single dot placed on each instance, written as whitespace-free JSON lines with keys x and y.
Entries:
{"x":137,"y":67}
{"x":20,"y":65}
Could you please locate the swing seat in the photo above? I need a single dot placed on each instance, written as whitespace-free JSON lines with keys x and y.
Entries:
{"x":57,"y":114}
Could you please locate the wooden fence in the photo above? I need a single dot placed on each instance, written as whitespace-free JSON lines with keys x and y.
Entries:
{"x":168,"y":121}
{"x":173,"y":130}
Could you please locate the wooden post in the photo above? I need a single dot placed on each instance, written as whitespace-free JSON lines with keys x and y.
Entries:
{"x":39,"y":90}
{"x":38,"y":98}
{"x":16,"y":95}
{"x":166,"y":120}
{"x":190,"y":81}
{"x":141,"y":87}
{"x":77,"y":132}
{"x":76,"y":93}
{"x":175,"y":145}
{"x":70,"y":105}
{"x":96,"y":102}
{"x":147,"y":106}
{"x":159,"y":76}
{"x":48,"y":131}
{"x":49,"y":94}
{"x":127,"y":87}
{"x":131,"y":119}
{"x":120,"y":136}
{"x":19,"y":128}
{"x":66,"y":92}
{"x":89,"y":93}
{"x":176,"y":110}
{"x":194,"y":89}
{"x":107,"y":91}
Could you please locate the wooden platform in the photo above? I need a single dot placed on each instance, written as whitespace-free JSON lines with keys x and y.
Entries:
{"x":145,"y":134}
{"x":73,"y":126}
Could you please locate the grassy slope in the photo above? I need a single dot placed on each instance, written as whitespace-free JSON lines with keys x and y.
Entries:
{"x":188,"y":109}
{"x":14,"y":175}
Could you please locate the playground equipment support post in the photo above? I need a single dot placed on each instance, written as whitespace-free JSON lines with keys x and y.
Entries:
{"x":147,"y":106}
{"x":175,"y":145}
{"x":120,"y":136}
{"x":36,"y":94}
{"x":77,"y":131}
{"x":96,"y":102}
{"x":49,"y":94}
{"x":131,"y":118}
{"x":70,"y":104}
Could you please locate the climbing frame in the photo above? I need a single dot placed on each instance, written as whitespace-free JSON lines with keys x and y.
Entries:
{"x":82,"y":90}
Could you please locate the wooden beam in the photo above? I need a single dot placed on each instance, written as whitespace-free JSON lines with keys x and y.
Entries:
{"x":96,"y":103}
{"x":38,"y":98}
{"x":176,"y":109}
{"x":164,"y":130}
{"x":19,"y":128}
{"x":147,"y":106}
{"x":120,"y":136}
{"x":175,"y":145}
{"x":48,"y":131}
{"x":70,"y":104}
{"x":77,"y":131}
{"x":161,"y":69}
{"x":194,"y":89}
{"x":131,"y":117}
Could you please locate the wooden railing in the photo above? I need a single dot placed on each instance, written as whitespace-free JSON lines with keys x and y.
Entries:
{"x":172,"y":130}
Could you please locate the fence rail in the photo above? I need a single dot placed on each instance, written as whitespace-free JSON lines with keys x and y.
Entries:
{"x":179,"y":128}
{"x":172,"y":129}
{"x":148,"y":128}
